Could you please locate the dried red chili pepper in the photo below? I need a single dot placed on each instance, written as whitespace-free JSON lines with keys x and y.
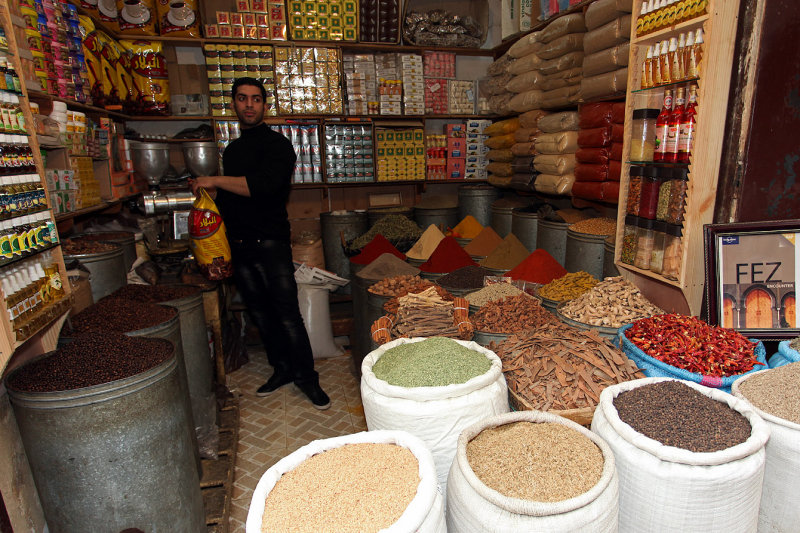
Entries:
{"x":689,"y":343}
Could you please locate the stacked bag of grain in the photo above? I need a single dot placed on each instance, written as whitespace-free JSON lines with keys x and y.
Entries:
{"x":499,"y":142}
{"x":494,"y":86}
{"x":598,"y":159}
{"x":524,"y":149}
{"x":555,"y":152}
{"x":547,"y":70}
{"x":606,"y":46}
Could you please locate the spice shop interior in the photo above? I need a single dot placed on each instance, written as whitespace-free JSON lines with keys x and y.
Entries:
{"x":545,"y":251}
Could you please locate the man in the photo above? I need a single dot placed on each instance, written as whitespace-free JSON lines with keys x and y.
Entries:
{"x":252,"y":199}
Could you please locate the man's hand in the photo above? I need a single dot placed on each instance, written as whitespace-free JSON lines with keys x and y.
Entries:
{"x":209,"y":183}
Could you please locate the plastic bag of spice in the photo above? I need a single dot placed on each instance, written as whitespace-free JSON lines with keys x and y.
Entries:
{"x":208,"y":239}
{"x":598,"y":156}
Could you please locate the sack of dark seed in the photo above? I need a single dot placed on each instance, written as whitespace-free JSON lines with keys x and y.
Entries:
{"x":689,"y":458}
{"x":775,"y":396}
{"x":787,"y":353}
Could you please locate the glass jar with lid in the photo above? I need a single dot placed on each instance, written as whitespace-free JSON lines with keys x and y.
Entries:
{"x":657,"y":255}
{"x":645,"y":240}
{"x":677,"y":199}
{"x":664,"y":193}
{"x":634,"y":190}
{"x":643,"y":134}
{"x":673,"y":251}
{"x":650,"y":186}
{"x":628,"y":251}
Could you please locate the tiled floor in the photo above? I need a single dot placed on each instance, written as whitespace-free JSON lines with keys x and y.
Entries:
{"x":272,"y":427}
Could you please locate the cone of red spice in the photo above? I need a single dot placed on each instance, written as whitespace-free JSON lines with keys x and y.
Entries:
{"x":539,"y":267}
{"x":447,"y":257}
{"x":378,"y":246}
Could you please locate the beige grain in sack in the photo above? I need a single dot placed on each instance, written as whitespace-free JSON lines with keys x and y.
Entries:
{"x":558,"y":165}
{"x":501,"y":156}
{"x":523,"y":149}
{"x":527,"y":44}
{"x":526,"y":101}
{"x":525,"y":82}
{"x":530,"y":119}
{"x":563,"y":142}
{"x":524,"y":135}
{"x":500,"y":169}
{"x":551,"y":184}
{"x":573,"y":23}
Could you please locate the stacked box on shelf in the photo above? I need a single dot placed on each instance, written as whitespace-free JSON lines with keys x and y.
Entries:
{"x":255,"y":19}
{"x":362,"y":84}
{"x":413,"y":86}
{"x":456,"y":150}
{"x":436,"y":156}
{"x":225,"y":63}
{"x":62,"y":189}
{"x":348,"y":153}
{"x":460,"y":97}
{"x":307,"y":80}
{"x":606,"y":49}
{"x":390,"y":86}
{"x":86,"y":185}
{"x":438,"y":69}
{"x":476,"y":150}
{"x":305,"y":140}
{"x":379,"y":21}
{"x":400,"y":154}
{"x":598,"y":167}
{"x":323,"y":20}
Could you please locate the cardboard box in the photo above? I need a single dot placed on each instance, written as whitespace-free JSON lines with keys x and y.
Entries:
{"x":455,"y":130}
{"x":509,"y":18}
{"x":456,"y":147}
{"x":455,"y":168}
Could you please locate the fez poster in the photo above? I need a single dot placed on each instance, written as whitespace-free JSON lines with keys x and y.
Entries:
{"x":757,"y":276}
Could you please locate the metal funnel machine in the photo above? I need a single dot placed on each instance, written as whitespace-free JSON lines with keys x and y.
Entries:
{"x":201,"y":158}
{"x":150,"y":161}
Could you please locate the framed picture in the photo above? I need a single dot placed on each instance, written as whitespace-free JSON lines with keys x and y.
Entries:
{"x":752,"y":274}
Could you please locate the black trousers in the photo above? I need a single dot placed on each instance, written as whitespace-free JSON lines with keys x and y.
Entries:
{"x":264,"y":275}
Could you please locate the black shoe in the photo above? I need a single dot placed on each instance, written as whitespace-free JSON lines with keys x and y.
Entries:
{"x":315,"y":393}
{"x":278,"y":380}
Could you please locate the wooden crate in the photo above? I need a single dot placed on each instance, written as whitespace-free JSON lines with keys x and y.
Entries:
{"x":581,"y":416}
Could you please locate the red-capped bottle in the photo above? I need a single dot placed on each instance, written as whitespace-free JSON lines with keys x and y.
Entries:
{"x":662,"y":127}
{"x":674,"y":128}
{"x":688,"y":127}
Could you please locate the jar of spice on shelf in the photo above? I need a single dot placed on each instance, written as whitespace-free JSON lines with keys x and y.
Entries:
{"x":645,"y":240}
{"x":628,"y":251}
{"x":651,"y":181}
{"x":657,"y":255}
{"x":643,"y":134}
{"x":677,"y":197}
{"x":634,"y":191}
{"x":673,"y":252}
{"x":664,"y":192}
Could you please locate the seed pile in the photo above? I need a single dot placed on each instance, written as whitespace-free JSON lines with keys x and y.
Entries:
{"x":393,"y":227}
{"x":558,"y":368}
{"x":512,"y":314}
{"x":491,"y":293}
{"x":675,"y":414}
{"x":570,"y":216}
{"x":107,"y":236}
{"x":154,"y":293}
{"x":468,"y":277}
{"x":775,"y":391}
{"x":612,"y":303}
{"x":795,"y":344}
{"x":595,"y":226}
{"x":568,"y":287}
{"x":434,"y":362}
{"x":392,"y":305}
{"x":424,"y":314}
{"x":351,"y":489}
{"x":81,"y":246}
{"x":115,"y":314}
{"x":90,"y":359}
{"x":395,"y":286}
{"x":386,"y":266}
{"x":543,"y":462}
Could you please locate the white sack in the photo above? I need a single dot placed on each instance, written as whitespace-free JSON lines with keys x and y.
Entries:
{"x":527,"y":44}
{"x":315,"y":308}
{"x":425,"y":513}
{"x":474,"y":507}
{"x":664,"y":488}
{"x":437,"y":415}
{"x":779,"y":506}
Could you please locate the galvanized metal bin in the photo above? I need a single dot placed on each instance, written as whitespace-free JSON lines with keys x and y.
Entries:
{"x":585,"y":253}
{"x":441,"y":217}
{"x":525,"y":226}
{"x":609,"y":267}
{"x":476,"y":200}
{"x":349,"y":224}
{"x":107,"y":271}
{"x":552,"y":238}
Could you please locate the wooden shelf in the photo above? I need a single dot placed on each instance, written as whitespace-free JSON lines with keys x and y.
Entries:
{"x":326,"y":185}
{"x":93,"y":208}
{"x":672,"y":31}
{"x":649,"y":274}
{"x":666,"y":86}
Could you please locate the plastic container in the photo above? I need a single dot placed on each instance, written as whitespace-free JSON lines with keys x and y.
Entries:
{"x":634,"y":190}
{"x":664,"y":193}
{"x":648,"y":202}
{"x":643,"y":134}
{"x":657,"y":254}
{"x":628,"y":252}
{"x":673,"y":252}
{"x":677,"y":200}
{"x":645,"y":240}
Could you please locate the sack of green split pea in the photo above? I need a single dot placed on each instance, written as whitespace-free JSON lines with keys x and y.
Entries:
{"x":208,"y":239}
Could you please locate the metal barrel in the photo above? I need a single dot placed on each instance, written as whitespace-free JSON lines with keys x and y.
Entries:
{"x":552,"y":238}
{"x":524,"y":226}
{"x":584,"y":252}
{"x":107,"y":271}
{"x":476,"y":200}
{"x":125,"y":239}
{"x":197,"y":359}
{"x":374,"y":214}
{"x":441,"y":217}
{"x":349,"y":224}
{"x":609,"y":267}
{"x":114,"y":456}
{"x":361,"y":343}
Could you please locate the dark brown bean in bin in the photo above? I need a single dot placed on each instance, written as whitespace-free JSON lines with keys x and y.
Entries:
{"x":116,"y":314}
{"x":107,"y":236}
{"x":80,"y":247}
{"x":92,"y":358}
{"x":468,"y":277}
{"x":675,"y":414}
{"x":154,"y":293}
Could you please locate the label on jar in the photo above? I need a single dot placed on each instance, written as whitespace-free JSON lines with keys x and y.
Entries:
{"x":671,"y":144}
{"x":662,"y":132}
{"x":686,"y":137}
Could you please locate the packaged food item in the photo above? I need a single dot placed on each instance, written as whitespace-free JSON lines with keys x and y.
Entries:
{"x":595,"y":137}
{"x":598,"y":156}
{"x":150,"y":78}
{"x":552,"y":184}
{"x":590,"y":172}
{"x":530,"y":119}
{"x":563,"y":142}
{"x":179,"y":18}
{"x":611,"y":34}
{"x":573,"y":23}
{"x":604,"y":11}
{"x":525,"y":45}
{"x":560,"y":121}
{"x":526,"y":101}
{"x":606,"y":60}
{"x":572,"y":42}
{"x":567,"y":61}
{"x":109,"y":15}
{"x":137,"y":17}
{"x":208,"y":238}
{"x":603,"y":85}
{"x":595,"y":115}
{"x":555,"y":164}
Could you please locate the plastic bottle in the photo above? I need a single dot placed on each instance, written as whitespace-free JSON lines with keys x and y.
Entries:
{"x":20,"y":114}
{"x":674,"y":60}
{"x":688,"y":127}
{"x":662,"y":127}
{"x":641,"y":18}
{"x":647,"y":72}
{"x":53,"y":275}
{"x":689,"y":68}
{"x":656,"y":68}
{"x":664,"y":60}
{"x":696,"y":55}
{"x":5,"y":240}
{"x":674,"y":127}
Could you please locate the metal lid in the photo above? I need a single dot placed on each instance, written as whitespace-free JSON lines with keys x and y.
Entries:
{"x":199,"y":144}
{"x":639,"y":114}
{"x":675,"y":230}
{"x":138,"y":145}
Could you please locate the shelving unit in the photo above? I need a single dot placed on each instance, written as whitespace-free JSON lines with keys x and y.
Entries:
{"x":719,"y":25}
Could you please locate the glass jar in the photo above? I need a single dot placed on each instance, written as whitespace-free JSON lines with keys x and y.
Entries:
{"x":645,"y":240}
{"x":673,"y":252}
{"x":677,"y":199}
{"x":657,"y":255}
{"x":650,"y":186}
{"x":634,"y":191}
{"x":664,"y":191}
{"x":643,"y":134}
{"x":628,"y":251}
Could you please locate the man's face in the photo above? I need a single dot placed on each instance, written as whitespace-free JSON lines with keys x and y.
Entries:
{"x":248,"y":106}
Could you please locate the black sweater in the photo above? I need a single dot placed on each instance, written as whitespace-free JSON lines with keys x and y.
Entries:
{"x":266,"y":159}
